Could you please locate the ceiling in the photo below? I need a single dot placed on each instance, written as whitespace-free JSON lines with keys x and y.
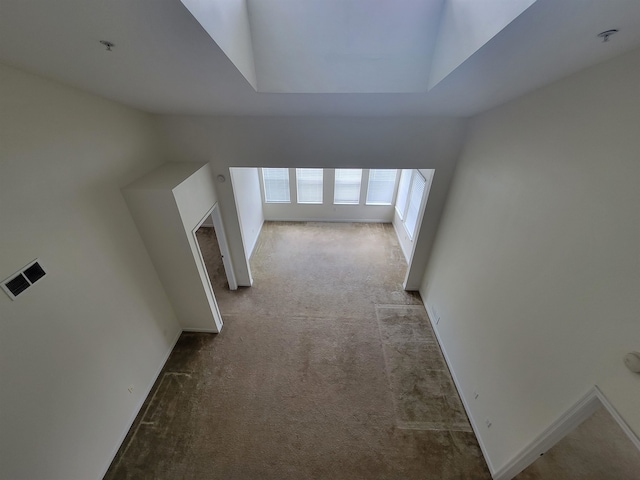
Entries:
{"x":164,"y":61}
{"x":343,"y":46}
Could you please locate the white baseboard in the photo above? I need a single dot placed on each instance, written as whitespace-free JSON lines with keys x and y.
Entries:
{"x":328,"y":220}
{"x":564,"y":424}
{"x":140,"y":403}
{"x":614,"y":413}
{"x":458,"y":386}
{"x":200,"y":330}
{"x":255,"y":241}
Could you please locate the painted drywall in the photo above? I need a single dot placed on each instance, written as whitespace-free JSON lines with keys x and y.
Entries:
{"x":465,"y":27}
{"x":100,"y":321}
{"x":342,"y":142}
{"x":195,"y":195}
{"x":195,"y":198}
{"x":167,"y":204}
{"x":351,"y":46}
{"x":406,"y":243}
{"x":246,"y":190}
{"x":327,"y":210}
{"x":227,"y":22}
{"x":536,"y":268}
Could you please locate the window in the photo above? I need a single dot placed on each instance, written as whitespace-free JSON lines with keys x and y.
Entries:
{"x":347,"y":186}
{"x":418,"y":184}
{"x":276,"y":185}
{"x":381,"y":186}
{"x":403,"y":192}
{"x":309,"y":185}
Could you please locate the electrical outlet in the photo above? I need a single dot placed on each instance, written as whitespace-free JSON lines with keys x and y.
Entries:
{"x":130,"y":388}
{"x":475,"y":394}
{"x":487,"y":422}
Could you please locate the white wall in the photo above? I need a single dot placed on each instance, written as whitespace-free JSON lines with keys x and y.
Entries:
{"x":195,"y":198}
{"x":246,"y":189}
{"x":100,"y":321}
{"x":342,"y":46}
{"x":328,"y":212}
{"x":536,"y":269}
{"x":465,"y":27}
{"x":406,"y":243}
{"x":342,"y":142}
{"x":227,"y":22}
{"x":167,"y":204}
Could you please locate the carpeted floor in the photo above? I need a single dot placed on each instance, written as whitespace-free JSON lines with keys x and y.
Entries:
{"x":325,"y":369}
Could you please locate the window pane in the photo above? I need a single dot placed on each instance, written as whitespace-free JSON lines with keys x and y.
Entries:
{"x":276,"y":185}
{"x":403,"y":192}
{"x":309,"y":185}
{"x":347,"y":186}
{"x":418,"y":184}
{"x":381,"y":185}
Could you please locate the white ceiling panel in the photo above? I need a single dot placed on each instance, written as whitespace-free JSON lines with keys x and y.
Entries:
{"x":343,"y":46}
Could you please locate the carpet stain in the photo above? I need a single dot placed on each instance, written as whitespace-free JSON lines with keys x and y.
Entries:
{"x":325,"y":369}
{"x":423,"y":391}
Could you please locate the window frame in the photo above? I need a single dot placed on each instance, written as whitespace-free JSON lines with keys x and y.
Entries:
{"x":412,"y":185}
{"x":403,"y":172}
{"x":335,"y":184}
{"x":264,"y":185}
{"x":297,"y":174}
{"x":393,"y":188}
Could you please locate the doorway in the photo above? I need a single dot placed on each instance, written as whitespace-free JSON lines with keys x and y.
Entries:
{"x":214,"y":252}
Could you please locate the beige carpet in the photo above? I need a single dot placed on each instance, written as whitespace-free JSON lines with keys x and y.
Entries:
{"x":325,"y":369}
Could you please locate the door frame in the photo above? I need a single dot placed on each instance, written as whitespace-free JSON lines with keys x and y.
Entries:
{"x":221,"y":236}
{"x":218,"y":228}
